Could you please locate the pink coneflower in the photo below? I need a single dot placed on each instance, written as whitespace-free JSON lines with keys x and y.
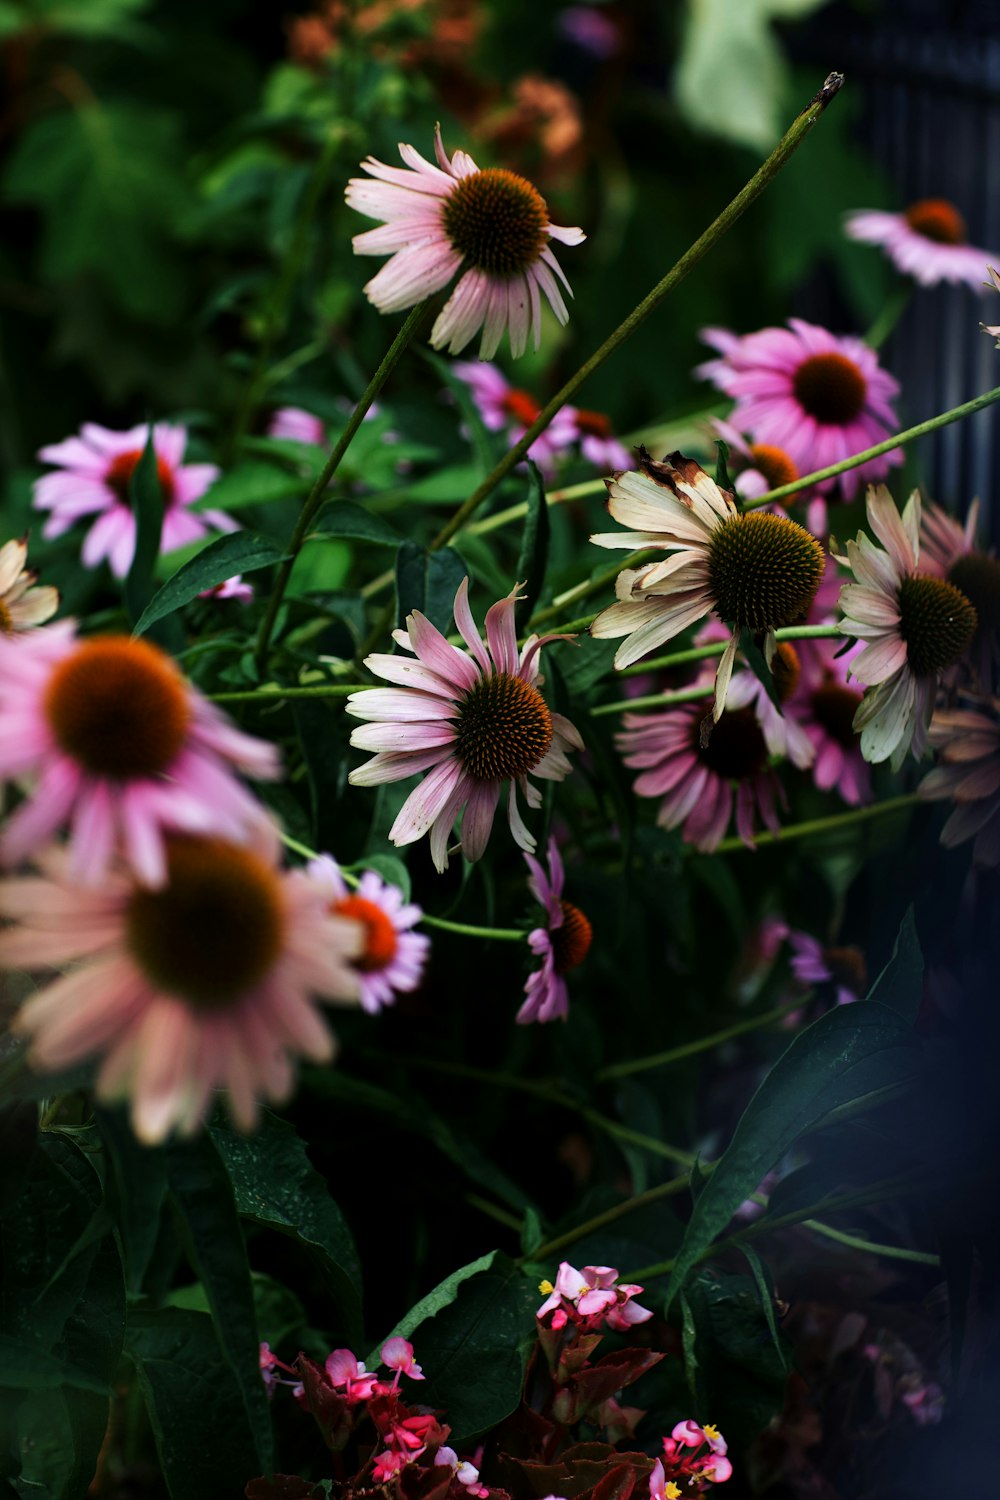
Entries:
{"x":755,"y":571}
{"x":698,"y":782}
{"x":926,"y":241}
{"x":818,"y":397}
{"x":914,"y":625}
{"x":814,"y":963}
{"x":204,"y":983}
{"x":949,"y":550}
{"x":506,"y":408}
{"x":824,"y":705}
{"x":562,"y":944}
{"x":94,"y":478}
{"x":491,"y":225}
{"x":967,"y":742}
{"x":994,"y":282}
{"x":120,"y":748}
{"x":297,"y":425}
{"x":22,"y":606}
{"x":598,"y":444}
{"x":783,"y":735}
{"x":391,"y":961}
{"x":756,"y":468}
{"x":471,"y":719}
{"x":231,"y":588}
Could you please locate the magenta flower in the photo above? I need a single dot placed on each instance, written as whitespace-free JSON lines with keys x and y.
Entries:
{"x":562,"y":944}
{"x":206,"y":982}
{"x":437,"y":221}
{"x":93,"y":479}
{"x":471,"y":719}
{"x":818,"y":397}
{"x":699,"y":782}
{"x":590,"y":1298}
{"x":397,"y":1354}
{"x":926,"y":241}
{"x":915,"y":627}
{"x":824,"y":706}
{"x":598,"y":444}
{"x":119,"y":747}
{"x":813,"y":963}
{"x":348,"y":1375}
{"x":21,"y":605}
{"x":506,"y":408}
{"x":696,"y":1466}
{"x":297,"y":425}
{"x":392,"y":959}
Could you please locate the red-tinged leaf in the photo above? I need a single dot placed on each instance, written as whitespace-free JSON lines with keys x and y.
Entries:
{"x":580,"y":1469}
{"x":332,"y":1413}
{"x":281,"y":1487}
{"x":418,"y":1483}
{"x":617,"y":1484}
{"x":619,"y":1422}
{"x":611,"y":1374}
{"x":576,"y":1355}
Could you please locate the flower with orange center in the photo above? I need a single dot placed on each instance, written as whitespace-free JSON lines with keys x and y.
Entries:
{"x":950,"y":550}
{"x":927,"y":241}
{"x":562,"y":944}
{"x":94,"y":478}
{"x":472,"y":720}
{"x":490,"y":225}
{"x":21,"y":605}
{"x":206,"y":982}
{"x":817,"y":397}
{"x":392,"y":957}
{"x":119,"y":747}
{"x":757,"y":468}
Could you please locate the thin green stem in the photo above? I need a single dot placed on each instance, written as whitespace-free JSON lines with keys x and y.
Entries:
{"x":702,"y":1044}
{"x":600,"y":1221}
{"x":465,"y":929}
{"x":494,"y":1211}
{"x":967,"y":409}
{"x":821,"y":825}
{"x":654,"y":700}
{"x":725,"y":221}
{"x":274,"y":692}
{"x":591,"y":586}
{"x":317,"y":494}
{"x":716,"y":648}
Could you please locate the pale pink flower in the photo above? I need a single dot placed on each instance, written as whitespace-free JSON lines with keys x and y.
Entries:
{"x":119,"y":747}
{"x":591,"y":1298}
{"x":467,"y":1474}
{"x":598,"y":444}
{"x":823,"y":704}
{"x":21,"y":605}
{"x":695,"y":1466}
{"x":699,"y":782}
{"x":506,"y":408}
{"x":785,"y":738}
{"x":297,"y":425}
{"x":230,"y":588}
{"x":471,"y":719}
{"x":926,"y":241}
{"x":994,"y":282}
{"x":93,"y":479}
{"x":755,"y":571}
{"x":437,"y":221}
{"x":967,"y":742}
{"x":392,"y":959}
{"x":949,"y":550}
{"x":561,"y":944}
{"x":819,"y":397}
{"x":204,"y":983}
{"x":397,"y":1354}
{"x":348,"y":1374}
{"x":915,"y":626}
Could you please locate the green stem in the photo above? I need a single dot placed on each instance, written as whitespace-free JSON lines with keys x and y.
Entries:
{"x":601,"y":1221}
{"x":892,"y":310}
{"x":730,"y":214}
{"x":503,"y":934}
{"x":967,"y":409}
{"x":716,"y":648}
{"x":494,"y":1211}
{"x":274,"y":692}
{"x":703,"y":1044}
{"x":822,"y":825}
{"x":317,"y":494}
{"x":276,"y":315}
{"x":592,"y":586}
{"x":654,"y":700}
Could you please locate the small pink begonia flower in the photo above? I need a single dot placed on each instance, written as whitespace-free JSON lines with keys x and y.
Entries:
{"x":388,"y":1465}
{"x":94,"y":478}
{"x":397,"y":1353}
{"x":660,"y":1487}
{"x":349,"y":1373}
{"x":466,"y":1474}
{"x":590,"y":1296}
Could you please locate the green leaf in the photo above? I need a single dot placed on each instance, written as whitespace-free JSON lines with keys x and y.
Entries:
{"x":765,"y":1291}
{"x":900,"y":984}
{"x":137,"y":1191}
{"x":758,"y":666}
{"x":253,"y":483}
{"x":436,"y":1301}
{"x":427,"y":581}
{"x":722,"y":478}
{"x":146,"y":496}
{"x":838,"y":1058}
{"x":239,"y":552}
{"x":735,"y":1370}
{"x":585,"y":664}
{"x":472,"y":1335}
{"x":534,"y":554}
{"x":345,"y":518}
{"x":277,"y":1186}
{"x":198,"y":1417}
{"x":204,"y":1194}
{"x":444,"y":486}
{"x":485,"y":445}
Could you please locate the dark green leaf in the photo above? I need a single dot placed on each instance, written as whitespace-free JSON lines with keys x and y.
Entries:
{"x":839,"y":1057}
{"x":735,"y":1370}
{"x":137,"y":1190}
{"x":253,"y":483}
{"x":18,"y":1135}
{"x":277,"y":1186}
{"x":765,"y":1291}
{"x":427,"y":581}
{"x":722,"y":478}
{"x":473,"y":1335}
{"x":345,"y":518}
{"x":534,"y":555}
{"x":146,"y":496}
{"x":239,"y":552}
{"x":900,"y":984}
{"x":586,"y":663}
{"x":198,"y":1417}
{"x":758,"y":666}
{"x":484,"y":443}
{"x":204,"y":1194}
